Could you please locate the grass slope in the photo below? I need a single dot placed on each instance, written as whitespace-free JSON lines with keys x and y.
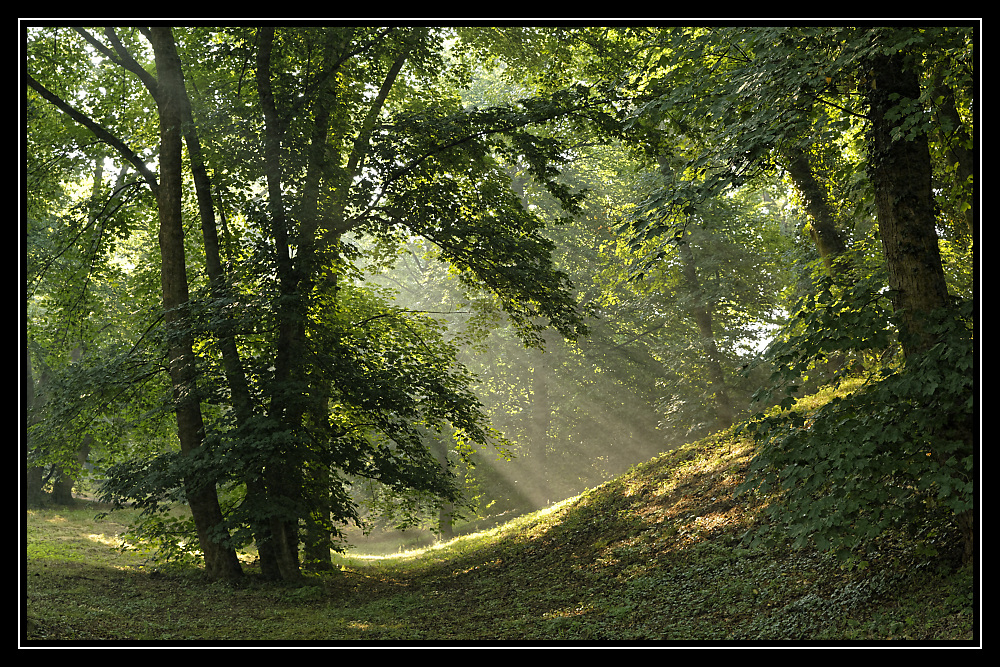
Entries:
{"x":653,"y":555}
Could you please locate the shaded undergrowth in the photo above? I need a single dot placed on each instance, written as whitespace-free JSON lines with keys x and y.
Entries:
{"x":653,"y":555}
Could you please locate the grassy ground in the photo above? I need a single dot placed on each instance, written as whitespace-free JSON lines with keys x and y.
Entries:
{"x":653,"y":555}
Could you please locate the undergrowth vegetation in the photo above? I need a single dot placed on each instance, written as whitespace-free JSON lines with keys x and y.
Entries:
{"x":657,"y":554}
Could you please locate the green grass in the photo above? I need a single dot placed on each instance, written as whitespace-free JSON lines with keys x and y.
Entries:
{"x":653,"y":555}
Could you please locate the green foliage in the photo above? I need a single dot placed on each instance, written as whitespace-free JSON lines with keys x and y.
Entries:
{"x":456,"y":193}
{"x":726,"y":102}
{"x":830,"y":322}
{"x":395,"y":389}
{"x":169,"y":540}
{"x":151,"y":484}
{"x":519,"y":186}
{"x":882,"y":458}
{"x":111,"y":399}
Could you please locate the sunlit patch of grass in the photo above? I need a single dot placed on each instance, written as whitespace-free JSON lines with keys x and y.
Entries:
{"x":105,"y":540}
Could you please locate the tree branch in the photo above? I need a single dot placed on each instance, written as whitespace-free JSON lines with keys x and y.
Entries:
{"x":129,"y":63}
{"x":837,"y":106}
{"x":100,"y":132}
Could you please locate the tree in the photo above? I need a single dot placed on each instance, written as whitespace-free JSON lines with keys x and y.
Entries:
{"x":746,"y":100}
{"x":702,"y":314}
{"x":75,"y":225}
{"x":900,"y":170}
{"x":883,"y":64}
{"x":306,"y":154}
{"x":220,"y":559}
{"x":824,"y":230}
{"x":291,"y":328}
{"x":433,"y":149}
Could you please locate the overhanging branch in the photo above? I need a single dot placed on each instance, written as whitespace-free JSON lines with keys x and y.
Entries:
{"x":100,"y":132}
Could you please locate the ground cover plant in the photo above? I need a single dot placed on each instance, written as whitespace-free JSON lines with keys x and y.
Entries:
{"x":655,"y":555}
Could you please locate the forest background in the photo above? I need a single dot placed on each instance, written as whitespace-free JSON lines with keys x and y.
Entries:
{"x":311,"y":277}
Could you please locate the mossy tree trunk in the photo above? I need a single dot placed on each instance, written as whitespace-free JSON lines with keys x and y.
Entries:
{"x":900,"y":172}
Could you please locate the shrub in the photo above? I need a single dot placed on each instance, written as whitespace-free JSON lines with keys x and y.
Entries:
{"x":883,"y":457}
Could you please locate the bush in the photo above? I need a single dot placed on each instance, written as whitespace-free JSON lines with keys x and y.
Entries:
{"x":881,"y":458}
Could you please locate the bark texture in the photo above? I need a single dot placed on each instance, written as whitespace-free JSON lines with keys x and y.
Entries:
{"x":900,"y":172}
{"x":220,"y":560}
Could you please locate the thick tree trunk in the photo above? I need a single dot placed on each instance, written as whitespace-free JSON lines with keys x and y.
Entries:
{"x":317,"y":537}
{"x":900,"y":171}
{"x":702,"y":314}
{"x":266,"y":551}
{"x":285,"y":407}
{"x":220,"y":561}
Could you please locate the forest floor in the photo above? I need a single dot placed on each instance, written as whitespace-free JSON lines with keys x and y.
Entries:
{"x":651,"y":556}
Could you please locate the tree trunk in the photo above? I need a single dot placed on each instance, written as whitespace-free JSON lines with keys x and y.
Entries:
{"x":438,"y":445}
{"x":232,"y":363}
{"x":34,"y":475}
{"x":297,"y":387}
{"x":702,"y":313}
{"x":829,"y":242}
{"x":317,"y":536}
{"x":445,"y":525}
{"x":446,"y":514}
{"x":541,"y":419}
{"x":900,"y":171}
{"x":823,"y":225}
{"x":66,"y":479}
{"x":285,"y":407}
{"x":62,"y":488}
{"x":220,"y":561}
{"x":266,"y":551}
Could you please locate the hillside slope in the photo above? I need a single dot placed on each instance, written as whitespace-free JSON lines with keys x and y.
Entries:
{"x":656,"y":555}
{"x":653,"y":555}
